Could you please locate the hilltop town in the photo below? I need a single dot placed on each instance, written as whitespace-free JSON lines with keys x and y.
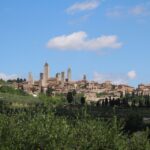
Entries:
{"x":62,"y":83}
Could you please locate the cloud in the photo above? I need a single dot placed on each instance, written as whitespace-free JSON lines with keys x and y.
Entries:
{"x":115,"y":78}
{"x":83,"y":6}
{"x":79,"y":41}
{"x":138,"y":10}
{"x":80,"y":19}
{"x":131,"y":74}
{"x":8,"y":77}
{"x":115,"y":12}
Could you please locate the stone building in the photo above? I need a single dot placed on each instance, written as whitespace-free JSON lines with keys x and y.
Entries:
{"x":143,"y":90}
{"x":61,"y":84}
{"x":69,"y":74}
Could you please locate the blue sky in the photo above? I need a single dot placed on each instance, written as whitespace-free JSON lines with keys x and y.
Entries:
{"x":105,"y":39}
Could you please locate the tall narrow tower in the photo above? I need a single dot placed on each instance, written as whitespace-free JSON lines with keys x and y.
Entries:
{"x":30,"y":79}
{"x":84,"y":77}
{"x":69,"y":74}
{"x":46,"y":73}
{"x":58,"y":76}
{"x":62,"y":78}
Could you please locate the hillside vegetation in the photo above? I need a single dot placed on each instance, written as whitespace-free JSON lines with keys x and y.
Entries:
{"x":46,"y":123}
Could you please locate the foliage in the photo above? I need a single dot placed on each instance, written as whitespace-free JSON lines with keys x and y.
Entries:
{"x":39,"y":126}
{"x":2,"y":81}
{"x":49,"y":91}
{"x":53,"y":100}
{"x":134,"y":122}
{"x":11,"y":90}
{"x":47,"y":131}
{"x":70,"y":97}
{"x":82,"y":100}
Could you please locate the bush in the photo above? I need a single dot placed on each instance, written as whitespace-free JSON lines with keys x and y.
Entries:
{"x":134,"y":122}
{"x":47,"y":131}
{"x":11,"y":90}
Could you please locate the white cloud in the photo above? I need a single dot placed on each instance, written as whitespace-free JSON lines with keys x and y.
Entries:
{"x":141,"y":10}
{"x":81,"y":19}
{"x":79,"y":41}
{"x":115,"y":12}
{"x":132,"y":74}
{"x":83,"y":6}
{"x":138,"y":10}
{"x":8,"y":77}
{"x":115,"y":78}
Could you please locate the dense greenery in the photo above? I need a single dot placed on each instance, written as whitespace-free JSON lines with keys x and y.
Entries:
{"x":47,"y":131}
{"x":137,"y":101}
{"x":11,"y":90}
{"x":50,"y":122}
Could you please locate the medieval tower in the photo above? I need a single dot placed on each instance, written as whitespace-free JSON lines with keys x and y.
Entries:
{"x":30,"y":79}
{"x":62,"y":78}
{"x":46,"y":74}
{"x":69,"y":74}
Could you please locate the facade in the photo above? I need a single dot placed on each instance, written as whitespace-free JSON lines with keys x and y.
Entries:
{"x":143,"y":90}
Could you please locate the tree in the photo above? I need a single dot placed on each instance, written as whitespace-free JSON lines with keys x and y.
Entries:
{"x":98,"y":104}
{"x":49,"y":91}
{"x":18,"y":80}
{"x":70,"y":97}
{"x":147,"y":103}
{"x":106,"y":102}
{"x":133,"y":103}
{"x":133,"y":122}
{"x":140,"y":103}
{"x":74,"y":92}
{"x":125,"y":102}
{"x":82,"y":100}
{"x":133,"y":94}
{"x":118,"y":102}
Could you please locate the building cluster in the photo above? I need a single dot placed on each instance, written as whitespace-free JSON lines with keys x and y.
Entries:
{"x":143,"y":89}
{"x":62,"y":83}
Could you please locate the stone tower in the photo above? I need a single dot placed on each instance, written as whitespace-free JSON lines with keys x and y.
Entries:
{"x":41,"y":80}
{"x":69,"y":74}
{"x":45,"y":74}
{"x":84,"y":77}
{"x":58,"y":76}
{"x":30,"y":79}
{"x":62,"y":78}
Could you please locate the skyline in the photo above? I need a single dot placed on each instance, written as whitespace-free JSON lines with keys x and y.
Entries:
{"x":104,"y":39}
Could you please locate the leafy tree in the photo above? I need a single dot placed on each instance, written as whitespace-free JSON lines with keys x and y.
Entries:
{"x":106,"y":102}
{"x":97,"y":103}
{"x":140,"y":103}
{"x":133,"y":94}
{"x":133,"y":103}
{"x":133,"y":122}
{"x":74,"y":92}
{"x":11,"y":90}
{"x":125,"y":102}
{"x":49,"y":91}
{"x":103,"y":103}
{"x":147,"y":102}
{"x":82,"y":100}
{"x":70,"y":97}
